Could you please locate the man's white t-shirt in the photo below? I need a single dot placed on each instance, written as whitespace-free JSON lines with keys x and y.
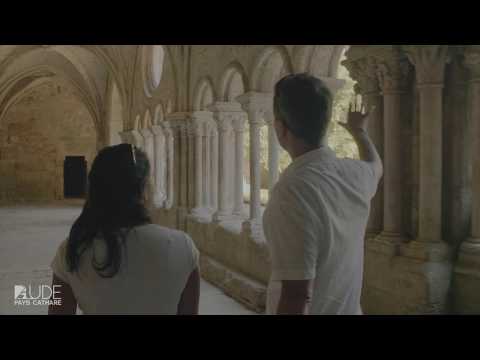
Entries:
{"x":315,"y":224}
{"x":156,"y":265}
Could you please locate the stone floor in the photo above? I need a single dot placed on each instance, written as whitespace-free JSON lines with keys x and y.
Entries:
{"x":29,"y":236}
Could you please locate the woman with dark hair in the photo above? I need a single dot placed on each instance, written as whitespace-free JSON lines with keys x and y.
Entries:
{"x":115,"y":261}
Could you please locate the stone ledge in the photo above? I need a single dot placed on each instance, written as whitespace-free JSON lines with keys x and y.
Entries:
{"x":249,"y":292}
{"x":468,"y":262}
{"x":423,"y":251}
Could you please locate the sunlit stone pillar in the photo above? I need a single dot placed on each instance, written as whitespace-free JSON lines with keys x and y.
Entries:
{"x":214,"y":167}
{"x":255,"y":170}
{"x":198,"y":124}
{"x":256,"y":105}
{"x":429,"y":62}
{"x":148,"y":147}
{"x":239,"y":128}
{"x":364,"y":71}
{"x":208,"y":170}
{"x":147,"y":141}
{"x":393,"y":78}
{"x":169,"y":163}
{"x":224,"y":125}
{"x":273,"y":152}
{"x":183,"y":190}
{"x":160,"y":164}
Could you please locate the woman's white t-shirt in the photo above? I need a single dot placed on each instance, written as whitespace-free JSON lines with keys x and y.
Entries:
{"x":156,"y":264}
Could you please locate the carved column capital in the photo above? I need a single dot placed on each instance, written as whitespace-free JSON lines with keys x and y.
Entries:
{"x":227,"y":115}
{"x":198,"y":122}
{"x":472,"y":62}
{"x":167,"y":128}
{"x":238,"y":122}
{"x":157,"y":130}
{"x":393,"y":74}
{"x":429,"y":62}
{"x":257,"y":105}
{"x":364,"y":71}
{"x":146,"y":133}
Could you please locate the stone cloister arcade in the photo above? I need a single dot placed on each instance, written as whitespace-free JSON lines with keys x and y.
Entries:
{"x":192,"y":107}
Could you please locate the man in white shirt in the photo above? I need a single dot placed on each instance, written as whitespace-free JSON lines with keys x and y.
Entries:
{"x":316,"y":219}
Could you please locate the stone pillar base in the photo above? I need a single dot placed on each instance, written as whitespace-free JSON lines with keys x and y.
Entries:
{"x":406,"y":277}
{"x":219,"y":217}
{"x":466,"y":281}
{"x":249,"y":292}
{"x":387,"y":242}
{"x":201,"y":214}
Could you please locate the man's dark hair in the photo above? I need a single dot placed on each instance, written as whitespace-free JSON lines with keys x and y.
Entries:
{"x":303,"y":103}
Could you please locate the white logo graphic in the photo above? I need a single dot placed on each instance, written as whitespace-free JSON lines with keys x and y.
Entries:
{"x":37,"y":295}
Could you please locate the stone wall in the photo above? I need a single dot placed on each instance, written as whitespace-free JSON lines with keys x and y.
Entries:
{"x":45,"y":125}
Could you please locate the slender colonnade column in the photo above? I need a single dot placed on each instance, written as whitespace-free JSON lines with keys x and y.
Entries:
{"x":429,"y":62}
{"x":239,"y":128}
{"x":364,"y":71}
{"x":273,"y":152}
{"x":393,"y":81}
{"x":159,"y":161}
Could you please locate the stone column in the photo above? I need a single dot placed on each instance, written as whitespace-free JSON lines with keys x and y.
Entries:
{"x":429,"y":62}
{"x":190,"y":173}
{"x":148,"y":147}
{"x":364,"y":71}
{"x":392,"y":73}
{"x":147,"y":141}
{"x":208,"y":167}
{"x":239,"y":128}
{"x":160,"y":164}
{"x":255,"y":169}
{"x":273,"y":152}
{"x":198,"y":121}
{"x":183,"y":190}
{"x":472,"y":60}
{"x":214,"y":167}
{"x":256,"y":105}
{"x":169,"y":163}
{"x":223,"y":118}
{"x":466,"y":299}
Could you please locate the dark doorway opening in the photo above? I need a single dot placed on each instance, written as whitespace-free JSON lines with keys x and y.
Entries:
{"x":75,"y":177}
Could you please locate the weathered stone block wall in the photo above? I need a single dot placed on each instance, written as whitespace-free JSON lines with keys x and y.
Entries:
{"x":37,"y":133}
